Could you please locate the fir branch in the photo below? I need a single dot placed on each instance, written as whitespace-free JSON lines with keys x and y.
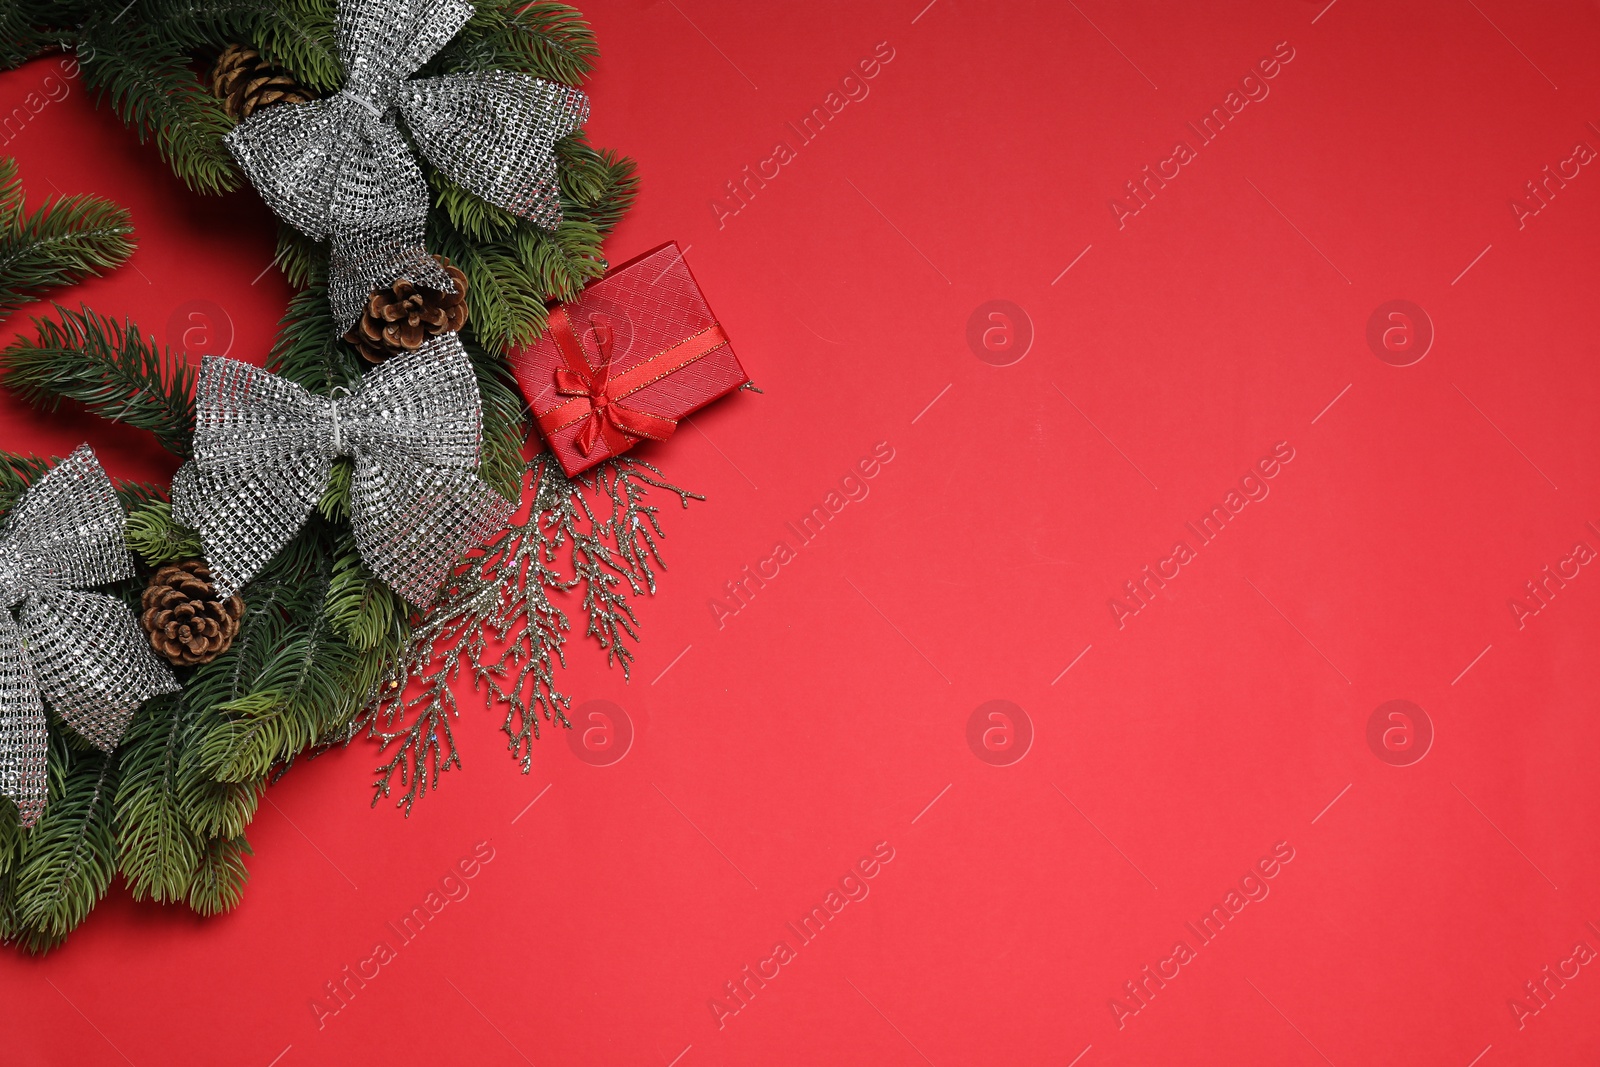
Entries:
{"x":279,"y":603}
{"x":307,"y":350}
{"x":243,"y":738}
{"x":471,"y":215}
{"x":27,"y":29}
{"x":195,"y":24}
{"x":158,"y":852}
{"x":295,"y":35}
{"x":153,"y":91}
{"x":335,"y":503}
{"x":109,"y":368}
{"x":17,"y":472}
{"x":219,"y":878}
{"x":291,"y":680}
{"x":69,"y":856}
{"x":565,"y":261}
{"x":505,"y":421}
{"x":362,"y":610}
{"x":510,"y":278}
{"x":298,"y":36}
{"x":152,"y":533}
{"x":302,"y":260}
{"x":64,"y":242}
{"x":211,"y":807}
{"x":11,"y":840}
{"x":505,"y":306}
{"x":244,"y":721}
{"x":548,"y":40}
{"x":137,"y":495}
{"x":597,"y":185}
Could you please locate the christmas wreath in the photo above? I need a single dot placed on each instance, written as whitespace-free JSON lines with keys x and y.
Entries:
{"x":303,"y":582}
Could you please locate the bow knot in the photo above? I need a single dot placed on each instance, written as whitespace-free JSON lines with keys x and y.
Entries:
{"x":264,"y":449}
{"x":338,"y":446}
{"x":601,"y":392}
{"x":597,"y":392}
{"x":339,"y":168}
{"x":82,"y":651}
{"x":364,"y":101}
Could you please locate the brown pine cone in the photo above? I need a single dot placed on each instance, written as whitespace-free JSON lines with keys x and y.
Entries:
{"x":186,"y":620}
{"x":245,"y":83}
{"x":403,"y":316}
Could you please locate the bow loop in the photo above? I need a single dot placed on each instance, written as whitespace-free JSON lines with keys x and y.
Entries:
{"x":264,"y":449}
{"x":84,"y":652}
{"x":340,"y":170}
{"x":93,"y":662}
{"x":66,"y":531}
{"x":383,"y":44}
{"x":571,"y":384}
{"x":494,"y":133}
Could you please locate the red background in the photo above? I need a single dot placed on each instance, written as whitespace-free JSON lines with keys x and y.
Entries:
{"x":775,"y":751}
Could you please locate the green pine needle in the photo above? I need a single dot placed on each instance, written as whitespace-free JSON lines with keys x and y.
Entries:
{"x":25,"y":30}
{"x":362,"y":610}
{"x":152,"y":533}
{"x":302,"y":261}
{"x":473,"y":216}
{"x":548,"y":40}
{"x":16,"y":474}
{"x":307,"y":350}
{"x":64,"y":242}
{"x":109,"y":368}
{"x":153,"y":90}
{"x":68,"y":858}
{"x":158,"y":852}
{"x":218,"y":883}
{"x":335,"y":503}
{"x":11,"y":838}
{"x":295,"y":35}
{"x":505,"y":422}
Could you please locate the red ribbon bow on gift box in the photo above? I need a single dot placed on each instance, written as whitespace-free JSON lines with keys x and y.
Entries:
{"x":597,"y":394}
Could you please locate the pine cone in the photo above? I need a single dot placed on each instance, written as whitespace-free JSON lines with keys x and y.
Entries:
{"x":245,"y":83}
{"x":403,"y":316}
{"x":186,"y":620}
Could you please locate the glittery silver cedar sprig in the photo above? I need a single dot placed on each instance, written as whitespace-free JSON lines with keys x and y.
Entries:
{"x":498,"y":618}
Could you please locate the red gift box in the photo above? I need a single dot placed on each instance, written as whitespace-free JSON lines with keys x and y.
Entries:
{"x":636,"y":352}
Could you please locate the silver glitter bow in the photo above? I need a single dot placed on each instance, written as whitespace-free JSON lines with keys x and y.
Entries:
{"x":264,"y":447}
{"x":84,"y":652}
{"x":339,"y":168}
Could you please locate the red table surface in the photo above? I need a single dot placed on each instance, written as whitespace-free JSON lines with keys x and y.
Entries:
{"x":827,"y":720}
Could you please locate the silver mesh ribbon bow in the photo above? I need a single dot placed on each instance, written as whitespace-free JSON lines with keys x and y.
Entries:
{"x":84,"y":652}
{"x":264,"y":448}
{"x":339,"y":168}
